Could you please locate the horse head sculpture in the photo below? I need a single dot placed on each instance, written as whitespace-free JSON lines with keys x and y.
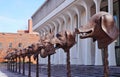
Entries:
{"x":100,"y":27}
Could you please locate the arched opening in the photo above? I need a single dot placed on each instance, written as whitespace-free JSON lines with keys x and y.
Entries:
{"x":116,"y":14}
{"x":93,"y":9}
{"x":69,"y":23}
{"x":104,"y":5}
{"x":76,"y":25}
{"x":58,"y":27}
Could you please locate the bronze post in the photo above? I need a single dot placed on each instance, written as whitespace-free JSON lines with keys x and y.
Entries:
{"x":49,"y":66}
{"x":13,"y":65}
{"x":10,"y":64}
{"x":7,"y":64}
{"x":16,"y":65}
{"x":19,"y":65}
{"x":106,"y":68}
{"x":29,"y":66}
{"x":23,"y":65}
{"x":68,"y":64}
{"x":37,"y":66}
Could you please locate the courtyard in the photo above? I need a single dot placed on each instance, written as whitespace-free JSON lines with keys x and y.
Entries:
{"x":60,"y":71}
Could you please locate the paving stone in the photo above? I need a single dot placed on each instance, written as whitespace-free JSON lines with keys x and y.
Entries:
{"x":60,"y":71}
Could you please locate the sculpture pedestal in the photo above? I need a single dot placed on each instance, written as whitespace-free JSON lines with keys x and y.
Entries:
{"x":105,"y":56}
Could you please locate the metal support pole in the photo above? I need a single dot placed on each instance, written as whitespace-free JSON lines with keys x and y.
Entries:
{"x":49,"y":66}
{"x":19,"y":65}
{"x":29,"y":71}
{"x":106,"y":68}
{"x":16,"y":65}
{"x":68,"y":64}
{"x":13,"y":65}
{"x":23,"y":65}
{"x":37,"y":66}
{"x":10,"y":64}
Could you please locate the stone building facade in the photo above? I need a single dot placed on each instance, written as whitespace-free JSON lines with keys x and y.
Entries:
{"x":58,"y":15}
{"x":19,"y":40}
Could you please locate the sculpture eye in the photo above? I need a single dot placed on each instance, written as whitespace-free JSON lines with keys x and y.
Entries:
{"x":58,"y":35}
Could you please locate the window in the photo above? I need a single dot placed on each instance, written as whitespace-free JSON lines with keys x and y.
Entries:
{"x":10,"y":45}
{"x":20,"y":45}
{"x":0,"y":45}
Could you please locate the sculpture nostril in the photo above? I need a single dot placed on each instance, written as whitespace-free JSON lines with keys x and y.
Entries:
{"x":89,"y":31}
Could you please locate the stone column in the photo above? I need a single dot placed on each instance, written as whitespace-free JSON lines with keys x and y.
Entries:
{"x":88,"y":41}
{"x":79,"y":47}
{"x":73,"y":50}
{"x":111,"y":47}
{"x":98,"y":52}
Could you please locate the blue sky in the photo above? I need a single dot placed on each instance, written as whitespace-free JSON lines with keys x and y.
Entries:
{"x":14,"y":14}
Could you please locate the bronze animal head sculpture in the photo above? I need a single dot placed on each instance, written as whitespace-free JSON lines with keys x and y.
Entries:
{"x":64,"y":40}
{"x":36,"y":48}
{"x":100,"y":27}
{"x":48,"y":47}
{"x":19,"y":53}
{"x":8,"y":56}
{"x":14,"y":54}
{"x":44,"y":47}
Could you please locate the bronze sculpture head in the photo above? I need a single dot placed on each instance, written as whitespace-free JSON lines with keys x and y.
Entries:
{"x":64,"y":40}
{"x":100,"y":27}
{"x":48,"y":47}
{"x":44,"y":47}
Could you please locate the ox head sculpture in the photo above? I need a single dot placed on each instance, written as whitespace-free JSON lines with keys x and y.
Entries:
{"x":100,"y":27}
{"x":64,"y":40}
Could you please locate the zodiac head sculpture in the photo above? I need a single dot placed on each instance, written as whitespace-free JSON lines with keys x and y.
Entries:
{"x":64,"y":40}
{"x":100,"y":27}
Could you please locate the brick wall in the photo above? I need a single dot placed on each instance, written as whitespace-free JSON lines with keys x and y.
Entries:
{"x":14,"y":39}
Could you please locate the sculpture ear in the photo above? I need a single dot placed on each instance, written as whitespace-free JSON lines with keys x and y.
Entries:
{"x":55,"y":40}
{"x":65,"y":34}
{"x":58,"y":35}
{"x":77,"y":31}
{"x":109,"y":27}
{"x":50,"y":31}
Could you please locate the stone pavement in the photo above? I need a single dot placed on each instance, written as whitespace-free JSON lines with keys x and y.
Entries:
{"x":60,"y":71}
{"x":5,"y":73}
